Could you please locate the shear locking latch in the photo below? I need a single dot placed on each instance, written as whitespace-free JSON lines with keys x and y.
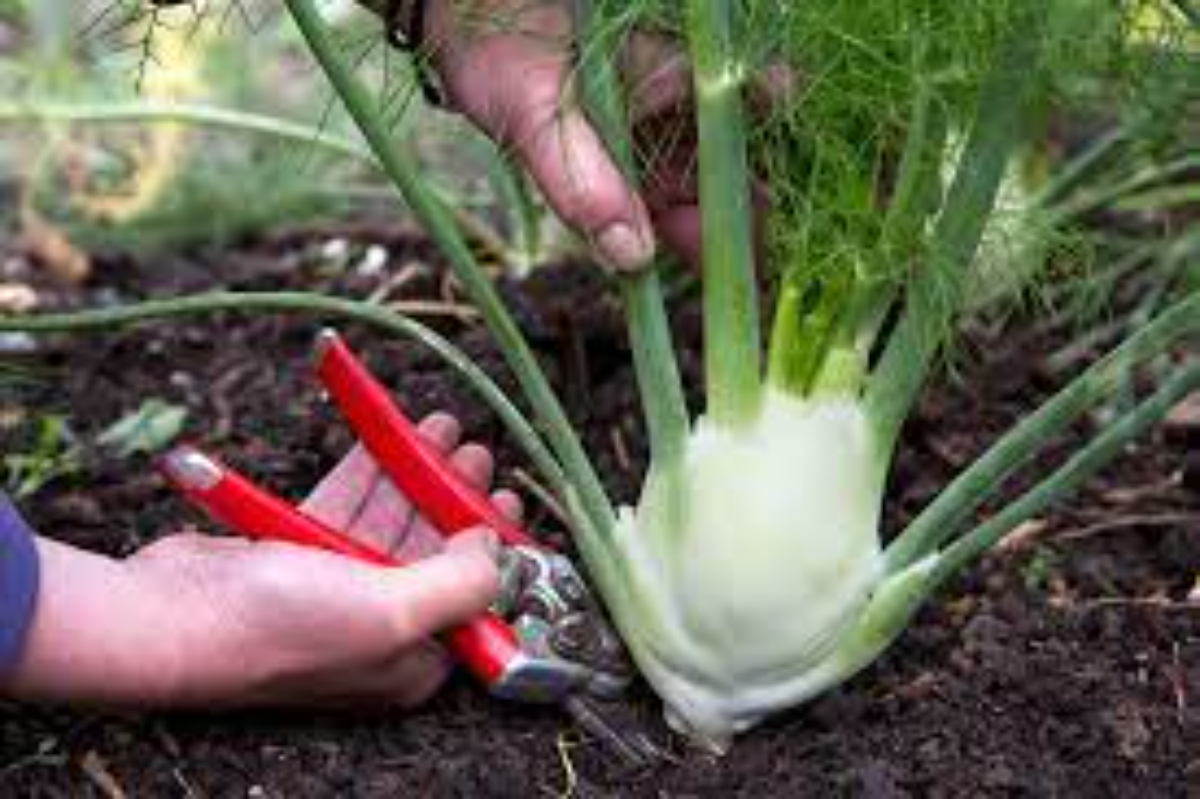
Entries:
{"x":566,"y":647}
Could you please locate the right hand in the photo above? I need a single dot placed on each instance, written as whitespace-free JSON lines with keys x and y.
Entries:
{"x":507,"y":64}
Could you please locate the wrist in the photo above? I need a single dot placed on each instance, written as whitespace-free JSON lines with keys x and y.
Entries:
{"x":100,"y":635}
{"x":19,"y":577}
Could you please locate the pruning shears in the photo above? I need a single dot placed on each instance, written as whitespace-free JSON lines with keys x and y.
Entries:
{"x":557,"y":648}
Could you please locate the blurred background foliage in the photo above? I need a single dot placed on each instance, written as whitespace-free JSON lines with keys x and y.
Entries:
{"x":137,"y":127}
{"x":141,"y":128}
{"x":134,"y":126}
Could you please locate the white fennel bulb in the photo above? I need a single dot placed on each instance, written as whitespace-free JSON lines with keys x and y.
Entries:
{"x":771,"y":554}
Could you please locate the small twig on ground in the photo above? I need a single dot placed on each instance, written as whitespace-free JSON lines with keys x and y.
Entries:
{"x":449,"y":288}
{"x":1129,"y":522}
{"x":1138,"y":492}
{"x":1157,"y":602}
{"x":1178,"y":677}
{"x":418,"y":309}
{"x":565,"y":744}
{"x":169,"y":744}
{"x":621,"y":449}
{"x":97,"y":771}
{"x":405,"y":275}
{"x":221,"y":397}
{"x":182,"y":781}
{"x":1024,"y":537}
{"x":48,"y":753}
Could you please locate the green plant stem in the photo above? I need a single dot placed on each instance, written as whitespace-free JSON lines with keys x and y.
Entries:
{"x":376,"y":316}
{"x":1070,"y":175}
{"x":1163,"y":280}
{"x":1108,"y":194}
{"x":936,"y":292}
{"x":1106,"y":446}
{"x":808,"y":353}
{"x":659,"y":384}
{"x":654,"y":362}
{"x":200,"y":114}
{"x":732,"y":349}
{"x":917,"y":182}
{"x":1159,"y":199}
{"x":954,"y":505}
{"x":1105,"y":152}
{"x":157,"y":112}
{"x":1084,"y":345}
{"x":786,"y":365}
{"x":914,"y":199}
{"x":521,"y":212}
{"x":439,"y":222}
{"x":524,"y":213}
{"x":1134,"y":257}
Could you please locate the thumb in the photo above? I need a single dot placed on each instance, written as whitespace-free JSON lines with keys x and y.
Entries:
{"x":441,"y":591}
{"x":512,"y":82}
{"x":581,"y":182}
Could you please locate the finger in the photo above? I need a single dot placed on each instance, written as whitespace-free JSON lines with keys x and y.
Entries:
{"x":474,"y":464}
{"x":525,"y":105}
{"x":474,"y":541}
{"x":402,"y":679}
{"x":340,"y":495}
{"x":422,"y":540}
{"x":441,"y":430}
{"x":581,"y":182}
{"x":681,"y":232}
{"x":660,"y":81}
{"x":440,"y":592}
{"x":657,"y":74}
{"x":775,"y":85}
{"x":385,"y":518}
{"x":414,"y":676}
{"x":510,"y":504}
{"x":677,"y":218}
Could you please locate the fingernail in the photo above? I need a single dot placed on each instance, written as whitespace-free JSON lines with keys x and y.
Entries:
{"x":624,"y":248}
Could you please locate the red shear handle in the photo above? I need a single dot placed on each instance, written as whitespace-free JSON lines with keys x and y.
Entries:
{"x":421,"y":472}
{"x":486,"y":644}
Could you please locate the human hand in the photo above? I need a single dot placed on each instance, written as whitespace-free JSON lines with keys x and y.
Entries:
{"x":506,"y":65}
{"x":201,"y":621}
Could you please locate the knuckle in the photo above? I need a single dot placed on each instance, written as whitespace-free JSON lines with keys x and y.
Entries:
{"x":406,"y":625}
{"x":576,"y":207}
{"x":426,"y":669}
{"x":480,"y":578}
{"x":271,"y":581}
{"x":475,"y":583}
{"x":184,"y":543}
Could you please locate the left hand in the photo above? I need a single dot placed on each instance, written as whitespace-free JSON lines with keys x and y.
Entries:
{"x":200,"y":621}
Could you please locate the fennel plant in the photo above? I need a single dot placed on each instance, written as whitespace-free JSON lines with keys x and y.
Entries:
{"x":752,"y":573}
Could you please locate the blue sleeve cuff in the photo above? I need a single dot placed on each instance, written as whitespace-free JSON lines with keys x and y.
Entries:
{"x":18,"y":582}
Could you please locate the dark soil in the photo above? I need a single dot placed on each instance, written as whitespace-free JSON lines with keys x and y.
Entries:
{"x":1067,"y":664}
